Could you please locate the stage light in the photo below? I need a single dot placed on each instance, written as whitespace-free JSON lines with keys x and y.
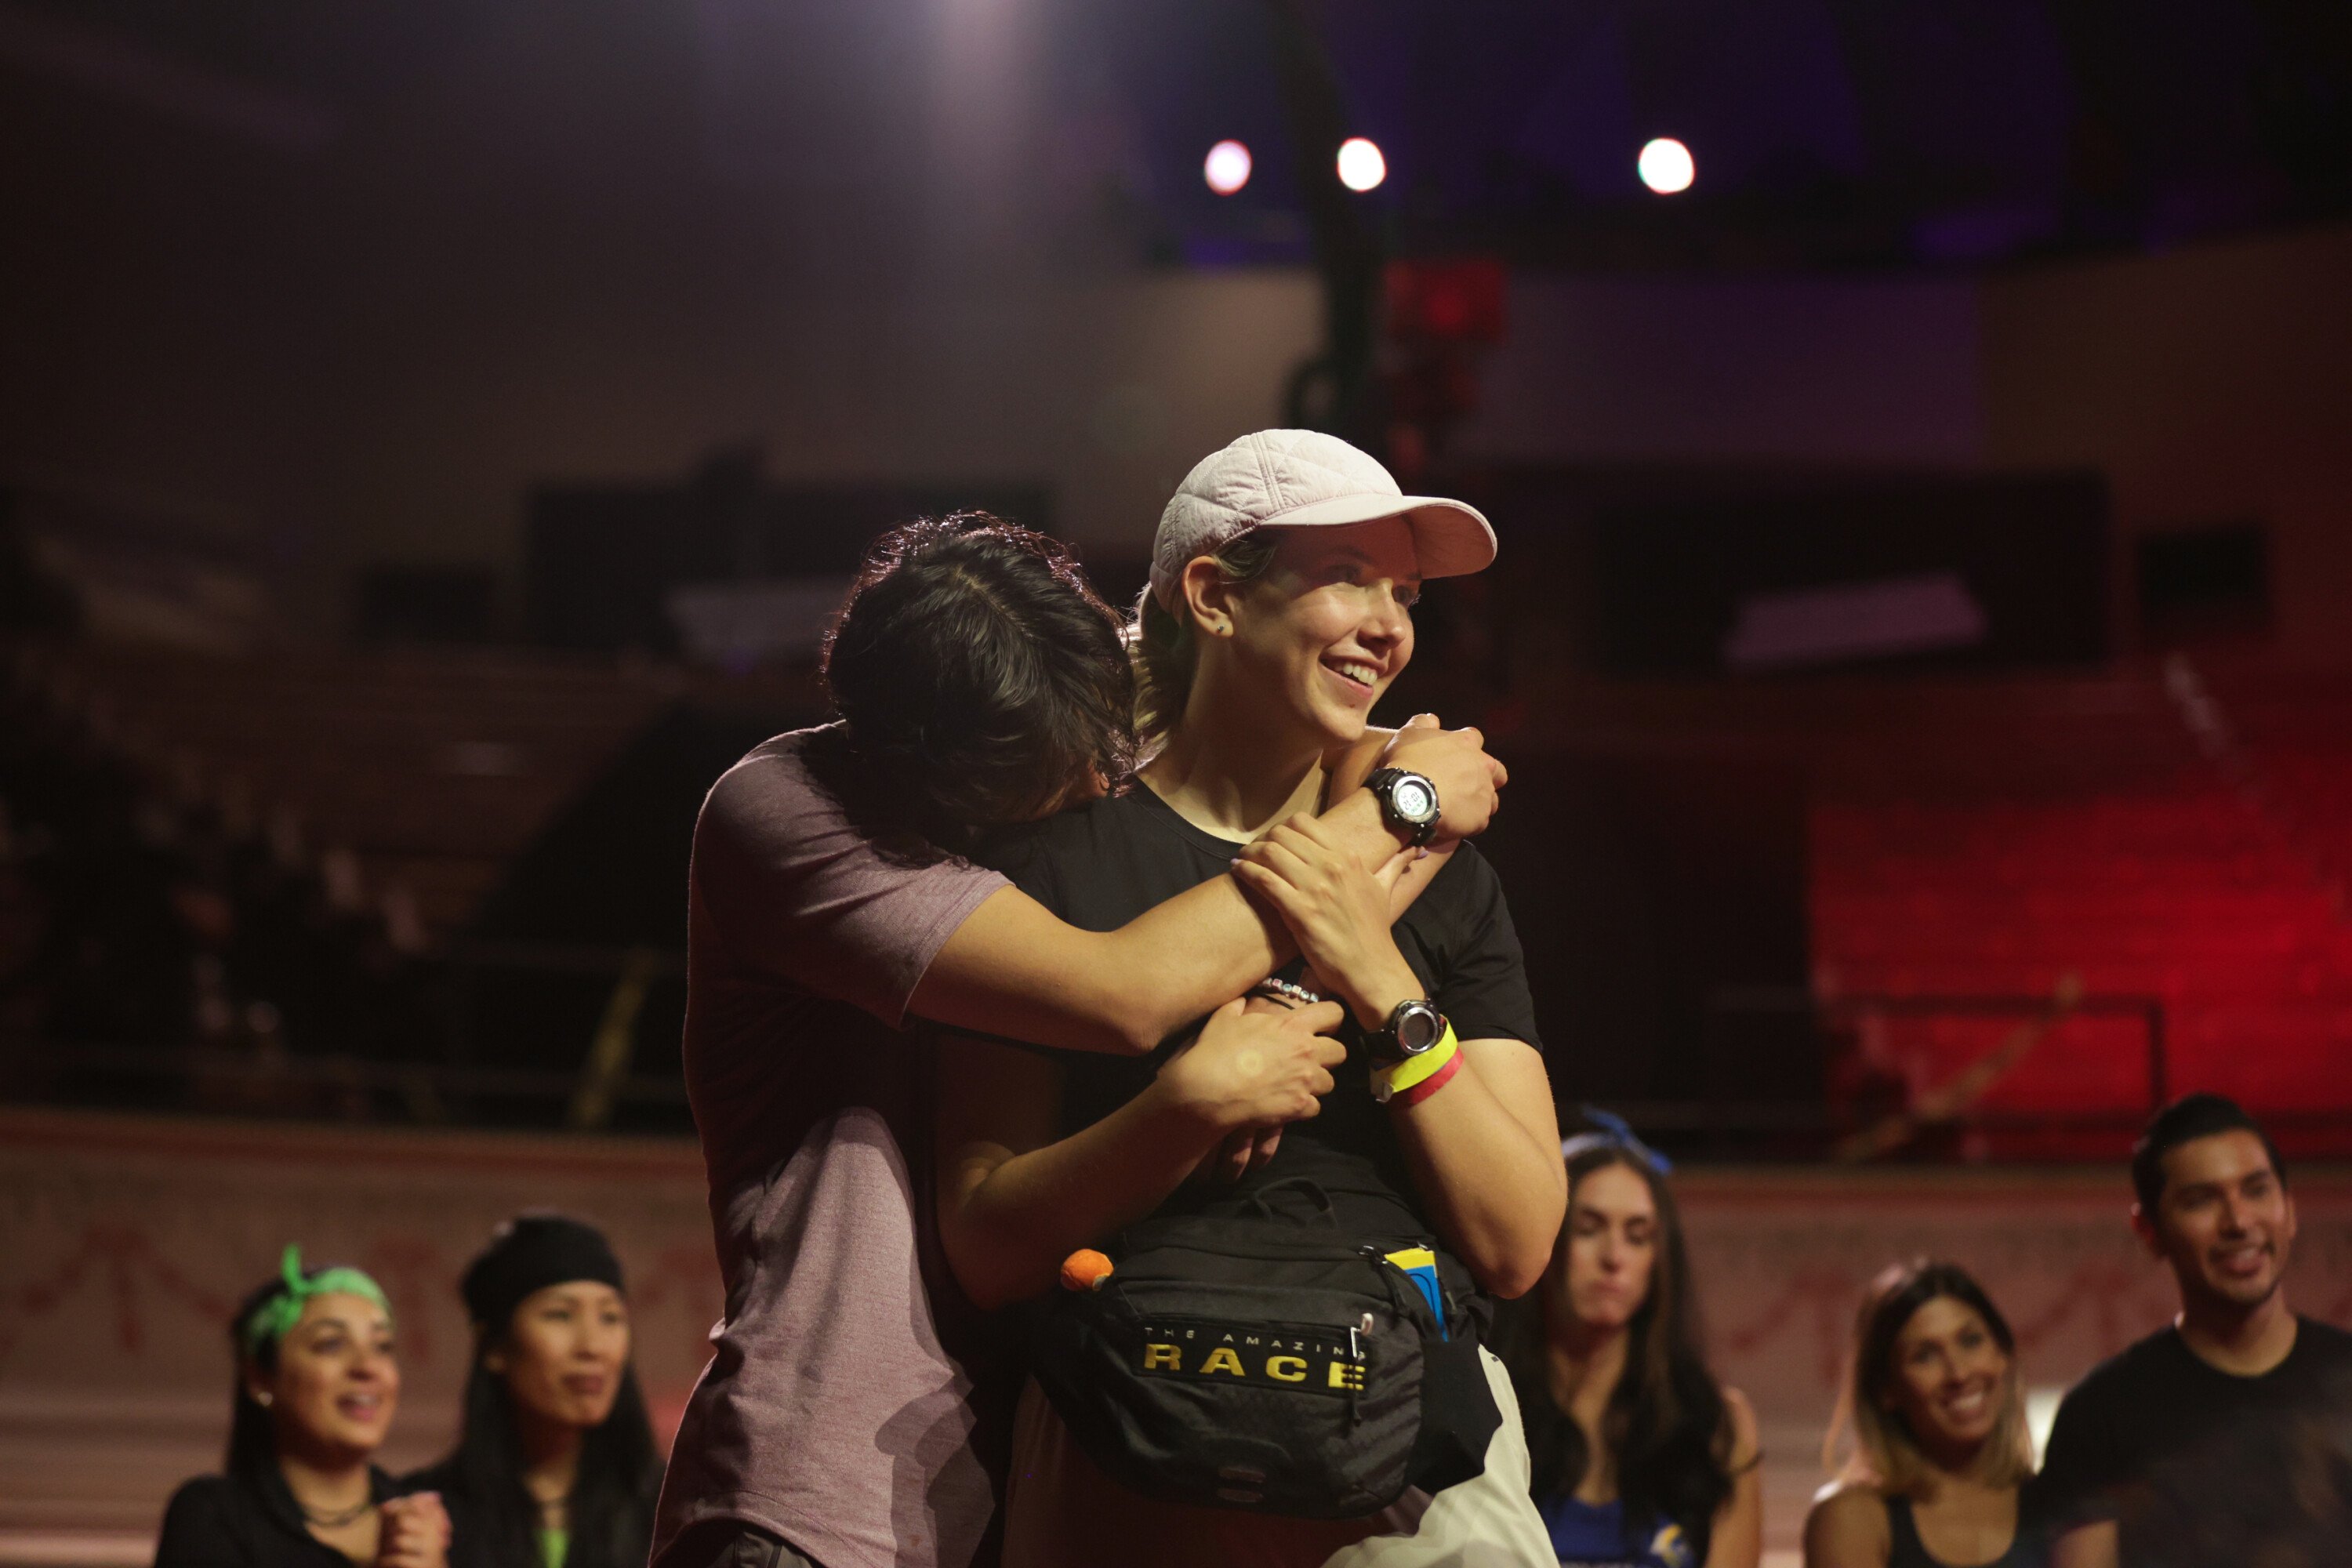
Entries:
{"x":1227,"y":167}
{"x":1665,"y":166}
{"x":1362,"y":167}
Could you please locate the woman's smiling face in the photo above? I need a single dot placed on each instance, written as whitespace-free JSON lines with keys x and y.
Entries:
{"x":1329,"y":626}
{"x":1951,"y":1376}
{"x":336,"y":1384}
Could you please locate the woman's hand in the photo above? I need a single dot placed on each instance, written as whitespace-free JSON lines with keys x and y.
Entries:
{"x":1250,"y":1069}
{"x":414,"y":1532}
{"x":1337,"y":907}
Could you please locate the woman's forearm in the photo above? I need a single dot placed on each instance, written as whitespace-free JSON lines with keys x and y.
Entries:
{"x":1487,"y":1163}
{"x":1485,"y":1148}
{"x":1010,"y":1220}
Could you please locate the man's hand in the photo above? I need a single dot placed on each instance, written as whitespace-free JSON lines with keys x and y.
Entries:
{"x":1251,"y":1148}
{"x":1257,"y":1069}
{"x":1456,"y":760}
{"x":1337,"y":907}
{"x":414,"y":1532}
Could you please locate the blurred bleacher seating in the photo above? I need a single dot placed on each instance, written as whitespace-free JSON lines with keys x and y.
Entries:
{"x":275,"y":861}
{"x":303,"y":848}
{"x":1996,"y":840}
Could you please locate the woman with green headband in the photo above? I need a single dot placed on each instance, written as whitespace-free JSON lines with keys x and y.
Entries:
{"x":316,"y":1388}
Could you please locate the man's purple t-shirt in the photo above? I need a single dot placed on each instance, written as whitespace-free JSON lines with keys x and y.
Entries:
{"x":831,"y":1414}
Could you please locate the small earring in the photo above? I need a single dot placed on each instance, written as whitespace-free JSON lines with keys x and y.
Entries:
{"x":263,"y":1398}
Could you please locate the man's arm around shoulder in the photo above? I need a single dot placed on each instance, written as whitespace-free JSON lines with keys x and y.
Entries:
{"x":1015,"y":969}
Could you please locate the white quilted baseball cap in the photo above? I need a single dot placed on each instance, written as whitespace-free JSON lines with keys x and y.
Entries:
{"x":1304,"y":478}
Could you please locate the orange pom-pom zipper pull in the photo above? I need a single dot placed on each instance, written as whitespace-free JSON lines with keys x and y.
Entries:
{"x":1084,"y":1270}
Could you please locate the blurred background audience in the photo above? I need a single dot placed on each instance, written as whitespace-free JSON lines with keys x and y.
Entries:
{"x":555,"y":1462}
{"x":1638,"y":1454}
{"x":317,"y":1385}
{"x":1934,"y":1415}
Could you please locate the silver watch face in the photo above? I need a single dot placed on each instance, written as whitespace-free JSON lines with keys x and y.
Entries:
{"x":1418,"y":1029}
{"x":1416,"y":799}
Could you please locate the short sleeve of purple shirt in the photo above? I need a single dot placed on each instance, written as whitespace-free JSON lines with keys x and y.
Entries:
{"x":796,"y":892}
{"x":830,"y":1413}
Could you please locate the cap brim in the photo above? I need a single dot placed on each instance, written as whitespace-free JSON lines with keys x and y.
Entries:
{"x":1453,"y":539}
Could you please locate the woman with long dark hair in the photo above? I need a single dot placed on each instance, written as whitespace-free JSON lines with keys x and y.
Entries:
{"x":555,"y":1466}
{"x":1639,"y":1455}
{"x":315,"y":1390}
{"x":1939,"y":1451}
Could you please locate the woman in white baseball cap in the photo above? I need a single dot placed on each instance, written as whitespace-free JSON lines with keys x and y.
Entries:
{"x":1236,"y":508}
{"x":1279,"y":612}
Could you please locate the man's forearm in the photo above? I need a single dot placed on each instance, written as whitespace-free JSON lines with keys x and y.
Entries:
{"x":1008,"y":1233}
{"x":1015,"y":969}
{"x":1206,"y":946}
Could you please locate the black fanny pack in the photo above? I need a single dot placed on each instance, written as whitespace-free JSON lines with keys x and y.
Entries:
{"x":1272,"y":1365}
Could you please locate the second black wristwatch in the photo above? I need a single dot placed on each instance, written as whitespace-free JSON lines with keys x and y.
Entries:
{"x":1408,"y":802}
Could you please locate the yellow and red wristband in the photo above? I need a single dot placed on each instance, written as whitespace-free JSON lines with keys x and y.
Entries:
{"x":1431,"y":1084}
{"x":1418,"y":1077}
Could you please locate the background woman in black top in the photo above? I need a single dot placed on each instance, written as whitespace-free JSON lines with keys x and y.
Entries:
{"x":1940,"y":1450}
{"x":315,"y":1391}
{"x":555,"y":1467}
{"x":1639,"y":1455}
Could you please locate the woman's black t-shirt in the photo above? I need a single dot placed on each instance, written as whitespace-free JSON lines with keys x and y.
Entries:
{"x":247,"y":1521}
{"x":1101,"y":864}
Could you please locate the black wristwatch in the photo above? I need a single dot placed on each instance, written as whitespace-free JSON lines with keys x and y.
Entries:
{"x":1413,"y":1027}
{"x":1408,"y":802}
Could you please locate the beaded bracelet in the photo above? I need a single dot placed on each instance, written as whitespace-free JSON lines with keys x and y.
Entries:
{"x":1274,"y":988}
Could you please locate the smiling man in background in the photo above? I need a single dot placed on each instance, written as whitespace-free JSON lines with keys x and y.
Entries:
{"x":2154,"y":1453}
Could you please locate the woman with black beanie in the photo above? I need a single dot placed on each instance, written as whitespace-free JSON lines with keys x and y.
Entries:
{"x":555,"y":1465}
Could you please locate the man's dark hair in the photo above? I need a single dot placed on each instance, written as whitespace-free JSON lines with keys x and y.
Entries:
{"x":2190,"y":1117}
{"x":980,"y":675}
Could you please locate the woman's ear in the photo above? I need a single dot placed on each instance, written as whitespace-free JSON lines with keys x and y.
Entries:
{"x":1208,"y":597}
{"x":257,"y":1387}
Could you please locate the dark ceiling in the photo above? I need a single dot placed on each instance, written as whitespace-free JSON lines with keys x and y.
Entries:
{"x":1826,"y":132}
